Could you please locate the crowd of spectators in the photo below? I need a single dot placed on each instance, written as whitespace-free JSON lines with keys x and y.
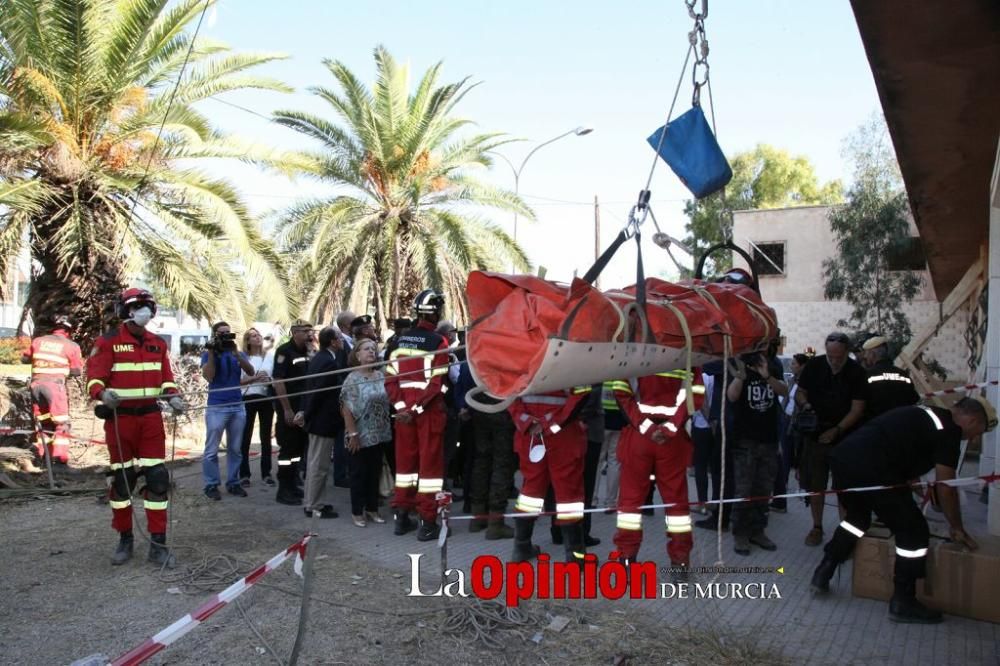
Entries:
{"x":333,"y":411}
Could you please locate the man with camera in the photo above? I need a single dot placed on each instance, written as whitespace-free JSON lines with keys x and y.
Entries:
{"x":220,"y":366}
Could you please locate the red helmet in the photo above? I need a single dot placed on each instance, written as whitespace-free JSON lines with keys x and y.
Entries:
{"x":133,"y":298}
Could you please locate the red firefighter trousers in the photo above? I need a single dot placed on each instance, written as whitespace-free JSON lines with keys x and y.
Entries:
{"x":420,"y":462}
{"x":51,"y":409}
{"x":641,"y":457}
{"x":138,"y":443}
{"x":562,"y":468}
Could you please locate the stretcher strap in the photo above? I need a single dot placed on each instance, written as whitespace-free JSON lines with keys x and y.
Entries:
{"x":682,"y":320}
{"x":602,"y":261}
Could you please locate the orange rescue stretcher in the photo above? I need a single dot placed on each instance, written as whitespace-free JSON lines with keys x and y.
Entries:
{"x":530,"y":336}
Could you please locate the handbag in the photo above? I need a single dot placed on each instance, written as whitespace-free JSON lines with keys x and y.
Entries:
{"x":691,"y":151}
{"x":386,"y":484}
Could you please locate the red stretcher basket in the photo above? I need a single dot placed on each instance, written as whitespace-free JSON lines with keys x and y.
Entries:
{"x":530,"y":335}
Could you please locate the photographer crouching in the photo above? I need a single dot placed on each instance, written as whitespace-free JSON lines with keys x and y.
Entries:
{"x":220,"y":366}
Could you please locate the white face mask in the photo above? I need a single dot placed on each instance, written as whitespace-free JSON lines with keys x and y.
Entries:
{"x":141,"y":316}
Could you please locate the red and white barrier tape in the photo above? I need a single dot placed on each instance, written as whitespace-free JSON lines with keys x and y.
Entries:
{"x":159,"y":641}
{"x":964,"y":481}
{"x":960,"y":389}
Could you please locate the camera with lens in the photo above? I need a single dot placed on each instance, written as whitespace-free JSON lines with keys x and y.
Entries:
{"x":221,"y":342}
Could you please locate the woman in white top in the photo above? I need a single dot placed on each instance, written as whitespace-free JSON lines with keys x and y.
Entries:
{"x":257,"y":405}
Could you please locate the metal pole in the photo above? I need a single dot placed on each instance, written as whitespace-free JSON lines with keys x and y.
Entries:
{"x":307,"y":578}
{"x":597,"y":237}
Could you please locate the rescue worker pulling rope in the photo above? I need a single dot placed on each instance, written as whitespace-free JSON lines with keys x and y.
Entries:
{"x":128,"y":370}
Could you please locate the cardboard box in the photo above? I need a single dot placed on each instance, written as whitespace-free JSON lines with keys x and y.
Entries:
{"x":958,"y":582}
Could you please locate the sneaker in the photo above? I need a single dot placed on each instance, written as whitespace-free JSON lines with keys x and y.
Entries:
{"x":762,"y":540}
{"x":212,"y":493}
{"x":325,"y":511}
{"x":268,"y":480}
{"x":742,"y":545}
{"x":245,"y":481}
{"x":815,"y":537}
{"x":236,"y":490}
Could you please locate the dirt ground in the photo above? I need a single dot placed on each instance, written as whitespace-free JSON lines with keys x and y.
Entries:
{"x":62,"y":600}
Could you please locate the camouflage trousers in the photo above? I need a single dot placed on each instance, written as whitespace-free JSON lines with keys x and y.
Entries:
{"x":494,"y":463}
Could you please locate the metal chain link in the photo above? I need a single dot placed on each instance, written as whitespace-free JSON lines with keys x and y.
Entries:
{"x":699,"y":43}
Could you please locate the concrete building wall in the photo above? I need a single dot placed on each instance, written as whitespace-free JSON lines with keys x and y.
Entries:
{"x":804,"y":315}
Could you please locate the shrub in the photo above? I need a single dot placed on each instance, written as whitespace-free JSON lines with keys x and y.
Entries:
{"x":12,"y":348}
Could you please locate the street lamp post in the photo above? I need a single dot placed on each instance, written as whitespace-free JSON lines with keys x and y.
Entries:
{"x":577,"y":131}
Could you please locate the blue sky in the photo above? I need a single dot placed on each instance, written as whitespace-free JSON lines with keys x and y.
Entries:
{"x":791,"y":74}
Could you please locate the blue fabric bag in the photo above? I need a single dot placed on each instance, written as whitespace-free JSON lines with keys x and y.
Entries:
{"x":691,"y":151}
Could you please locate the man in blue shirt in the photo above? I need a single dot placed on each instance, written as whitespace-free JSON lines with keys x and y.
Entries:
{"x":220,"y":366}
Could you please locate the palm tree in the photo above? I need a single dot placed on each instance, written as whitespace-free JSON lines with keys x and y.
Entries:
{"x":94,"y":187}
{"x":407,"y":214}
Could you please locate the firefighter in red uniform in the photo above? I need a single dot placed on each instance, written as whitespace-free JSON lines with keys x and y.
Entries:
{"x":655,"y":443}
{"x":414,"y":378}
{"x":128,"y":370}
{"x":551,"y":444}
{"x":53,"y":358}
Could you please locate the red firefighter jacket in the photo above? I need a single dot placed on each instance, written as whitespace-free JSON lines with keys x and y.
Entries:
{"x":659,"y":402}
{"x":133,"y":367}
{"x":414,"y":374}
{"x":552,"y":410}
{"x":53,"y":356}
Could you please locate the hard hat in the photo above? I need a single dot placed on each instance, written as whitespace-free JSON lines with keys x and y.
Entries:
{"x":429,"y":301}
{"x":64,"y":323}
{"x":874,"y":341}
{"x":132,"y":298}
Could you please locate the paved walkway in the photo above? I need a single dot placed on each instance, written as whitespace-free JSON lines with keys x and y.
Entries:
{"x":837,"y":629}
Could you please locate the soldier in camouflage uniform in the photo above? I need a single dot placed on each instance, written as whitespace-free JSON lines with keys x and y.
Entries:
{"x":494,"y":462}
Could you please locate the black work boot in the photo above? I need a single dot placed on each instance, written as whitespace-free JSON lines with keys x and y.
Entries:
{"x":159,"y":554}
{"x":478,"y":524}
{"x":573,"y":542}
{"x":499,"y":530}
{"x":123,"y":552}
{"x":428,"y":530}
{"x":286,"y":488}
{"x":820,"y":583}
{"x":403,"y":523}
{"x":904,"y":607}
{"x":524,"y":550}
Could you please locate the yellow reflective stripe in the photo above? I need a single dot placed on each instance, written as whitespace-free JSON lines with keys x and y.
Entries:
{"x":406,"y":480}
{"x":618,"y":385}
{"x":92,"y":382}
{"x":430,"y":485}
{"x":48,"y":356}
{"x":166,"y":385}
{"x":50,"y":371}
{"x":529,"y":504}
{"x":120,"y":504}
{"x":150,"y":505}
{"x":46,"y":415}
{"x":122,"y":465}
{"x":439,"y":370}
{"x":60,"y":419}
{"x":136,"y":367}
{"x":698,"y":389}
{"x":578,"y":390}
{"x":149,"y":462}
{"x":419,"y":385}
{"x":138,"y":393}
{"x":569,"y":510}
{"x":629,"y":521}
{"x":676,"y":374}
